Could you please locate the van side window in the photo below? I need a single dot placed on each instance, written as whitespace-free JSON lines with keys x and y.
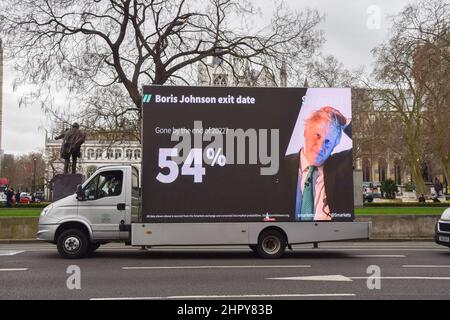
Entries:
{"x":105,"y":184}
{"x":90,"y":191}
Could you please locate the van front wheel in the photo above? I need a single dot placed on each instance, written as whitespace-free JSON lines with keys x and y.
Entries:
{"x":73,"y":244}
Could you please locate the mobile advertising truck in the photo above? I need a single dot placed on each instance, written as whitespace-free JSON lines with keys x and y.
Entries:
{"x":263,"y":167}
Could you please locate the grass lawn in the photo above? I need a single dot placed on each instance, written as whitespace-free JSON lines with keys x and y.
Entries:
{"x":20,"y":212}
{"x":399,"y":210}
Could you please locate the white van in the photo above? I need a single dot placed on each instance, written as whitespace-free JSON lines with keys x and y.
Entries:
{"x":98,"y":214}
{"x":443,"y":229}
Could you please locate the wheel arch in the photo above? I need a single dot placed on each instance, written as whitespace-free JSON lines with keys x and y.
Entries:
{"x":277,"y":228}
{"x":73,"y":225}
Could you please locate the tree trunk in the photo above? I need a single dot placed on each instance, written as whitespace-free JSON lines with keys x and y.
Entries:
{"x":416,"y":173}
{"x":446,"y":170}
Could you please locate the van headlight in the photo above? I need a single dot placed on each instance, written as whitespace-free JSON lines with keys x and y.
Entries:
{"x":46,"y":210}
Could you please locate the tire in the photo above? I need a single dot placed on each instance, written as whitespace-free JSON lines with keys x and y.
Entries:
{"x":271,"y":244}
{"x":73,"y":244}
{"x":93,"y":247}
{"x":253,"y":247}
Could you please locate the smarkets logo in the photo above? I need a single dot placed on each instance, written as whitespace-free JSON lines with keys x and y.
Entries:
{"x":146,"y":98}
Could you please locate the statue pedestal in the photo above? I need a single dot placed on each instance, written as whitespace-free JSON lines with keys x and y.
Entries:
{"x":64,"y":185}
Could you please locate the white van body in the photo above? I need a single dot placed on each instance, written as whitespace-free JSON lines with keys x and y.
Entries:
{"x":79,"y":226}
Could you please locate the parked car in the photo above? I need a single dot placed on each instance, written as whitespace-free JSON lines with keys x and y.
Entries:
{"x":26,"y":198}
{"x":2,"y":194}
{"x":371,"y":190}
{"x":443,"y":229}
{"x":367,"y":196}
{"x":40,"y":196}
{"x":24,"y":194}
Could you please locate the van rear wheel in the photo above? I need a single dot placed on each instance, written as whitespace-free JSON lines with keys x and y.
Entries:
{"x":73,"y":244}
{"x":271,"y":244}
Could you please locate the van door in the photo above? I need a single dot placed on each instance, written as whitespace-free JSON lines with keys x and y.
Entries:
{"x":104,"y":204}
{"x":135,"y":196}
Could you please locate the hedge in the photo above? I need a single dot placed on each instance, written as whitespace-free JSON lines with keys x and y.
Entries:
{"x":31,"y":205}
{"x":407,"y":204}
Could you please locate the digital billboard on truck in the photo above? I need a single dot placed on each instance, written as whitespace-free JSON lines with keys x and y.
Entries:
{"x":245,"y":154}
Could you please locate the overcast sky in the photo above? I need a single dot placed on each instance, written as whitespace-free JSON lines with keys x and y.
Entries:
{"x":350,"y":31}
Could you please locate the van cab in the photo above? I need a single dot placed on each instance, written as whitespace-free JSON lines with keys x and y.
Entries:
{"x":99,"y":212}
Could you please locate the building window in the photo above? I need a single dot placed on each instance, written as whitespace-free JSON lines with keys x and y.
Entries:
{"x":398,"y":173}
{"x":118,"y":154}
{"x":129,"y":154}
{"x":382,"y":170}
{"x":110,"y":154}
{"x":98,"y":153}
{"x":137,"y":154}
{"x":90,"y":154}
{"x":220,"y":79}
{"x":366,"y":170}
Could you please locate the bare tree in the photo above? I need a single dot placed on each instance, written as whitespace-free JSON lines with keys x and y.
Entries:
{"x":431,"y":30}
{"x":107,"y":115}
{"x":20,"y":171}
{"x":328,"y":71}
{"x":85,"y":45}
{"x":402,"y":78}
{"x":372,"y":134}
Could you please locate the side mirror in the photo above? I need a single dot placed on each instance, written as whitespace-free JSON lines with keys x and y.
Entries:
{"x":80,"y":193}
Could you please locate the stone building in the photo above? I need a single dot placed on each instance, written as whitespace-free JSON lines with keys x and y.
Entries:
{"x":213,"y":71}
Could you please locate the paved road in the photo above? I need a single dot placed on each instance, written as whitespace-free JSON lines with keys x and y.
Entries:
{"x":408,"y":270}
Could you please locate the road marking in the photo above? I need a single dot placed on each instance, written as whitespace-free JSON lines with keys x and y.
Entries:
{"x":237,"y":296}
{"x":401,"y":278}
{"x":342,"y":278}
{"x":423,"y":266}
{"x":14,"y":269}
{"x":369,"y":249}
{"x":9,"y":252}
{"x":337,"y":277}
{"x":387,"y":245}
{"x":216,"y":267}
{"x":379,"y":256}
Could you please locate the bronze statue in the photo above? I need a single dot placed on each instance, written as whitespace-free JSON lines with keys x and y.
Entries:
{"x":70,"y":148}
